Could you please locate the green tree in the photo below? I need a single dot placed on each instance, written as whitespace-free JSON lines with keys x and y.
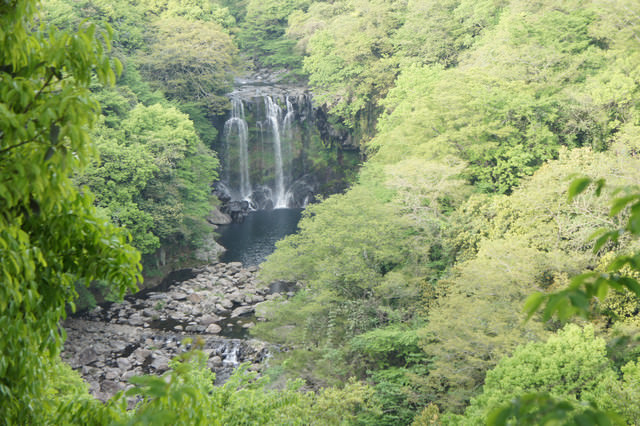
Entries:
{"x":179,"y":195}
{"x":263,"y":33}
{"x":50,"y":234}
{"x":571,"y":366}
{"x":154,"y":177}
{"x":350,"y":56}
{"x":480,"y":320}
{"x":190,"y":61}
{"x":441,"y":31}
{"x":117,"y":179}
{"x":127,"y":18}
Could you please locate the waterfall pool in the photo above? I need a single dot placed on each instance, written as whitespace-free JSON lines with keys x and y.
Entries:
{"x":251,"y":241}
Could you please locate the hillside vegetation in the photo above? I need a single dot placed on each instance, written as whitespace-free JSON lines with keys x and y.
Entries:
{"x":473,"y":119}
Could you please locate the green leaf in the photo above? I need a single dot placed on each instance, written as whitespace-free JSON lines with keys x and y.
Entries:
{"x":619,"y":204}
{"x":579,"y":300}
{"x":577,"y":187}
{"x":532,"y":304}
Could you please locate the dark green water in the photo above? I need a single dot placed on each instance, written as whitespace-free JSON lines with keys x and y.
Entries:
{"x":253,"y":240}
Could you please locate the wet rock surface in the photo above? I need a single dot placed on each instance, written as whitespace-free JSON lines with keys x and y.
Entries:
{"x":114,"y":342}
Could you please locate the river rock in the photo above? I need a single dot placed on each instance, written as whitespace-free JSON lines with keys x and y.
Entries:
{"x":160,"y":364}
{"x":236,"y":298}
{"x":111,"y":373}
{"x":209,"y":250}
{"x":87,"y":356}
{"x":141,"y":354}
{"x":135,"y":320}
{"x":194,"y":298}
{"x":209,"y":319}
{"x":116,"y":341}
{"x":123,"y":363}
{"x":111,"y":387}
{"x":216,"y":217}
{"x":242,"y":310}
{"x":179,"y":296}
{"x":213,"y":329}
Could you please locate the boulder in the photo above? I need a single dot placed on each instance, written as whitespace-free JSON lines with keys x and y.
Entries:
{"x":87,"y":356}
{"x":160,"y":363}
{"x":209,"y":319}
{"x":123,"y":364}
{"x":179,"y":296}
{"x":213,"y":329}
{"x":194,"y":298}
{"x":216,"y":217}
{"x":209,"y":250}
{"x":141,"y":354}
{"x":135,"y":320}
{"x":111,"y":373}
{"x":111,"y":387}
{"x":242,"y":310}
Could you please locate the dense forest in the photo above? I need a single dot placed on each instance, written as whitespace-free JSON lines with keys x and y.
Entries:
{"x":481,"y":268}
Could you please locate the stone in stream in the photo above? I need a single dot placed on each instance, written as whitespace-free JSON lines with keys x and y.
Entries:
{"x":160,"y":364}
{"x":87,"y":356}
{"x":213,"y":329}
{"x":111,"y":373}
{"x":123,"y":363}
{"x":141,"y":354}
{"x":194,"y":298}
{"x":209,"y":319}
{"x":179,"y":296}
{"x":242,"y":310}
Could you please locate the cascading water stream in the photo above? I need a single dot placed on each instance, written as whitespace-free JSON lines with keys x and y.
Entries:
{"x":287,"y":123}
{"x":274,"y":113}
{"x":266,"y":139}
{"x":237,"y":125}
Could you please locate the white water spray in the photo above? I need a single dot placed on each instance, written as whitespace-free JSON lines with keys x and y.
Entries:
{"x":237,"y":125}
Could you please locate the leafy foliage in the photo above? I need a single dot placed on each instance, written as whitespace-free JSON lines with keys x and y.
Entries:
{"x":349,"y":60}
{"x":153,"y":176}
{"x":263,"y":33}
{"x":571,"y":366}
{"x":50,"y":233}
{"x":186,"y":395}
{"x":413,"y":279}
{"x":576,"y":299}
{"x":191,"y":61}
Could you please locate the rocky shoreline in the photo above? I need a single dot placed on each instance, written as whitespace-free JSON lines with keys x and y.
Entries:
{"x":114,"y":342}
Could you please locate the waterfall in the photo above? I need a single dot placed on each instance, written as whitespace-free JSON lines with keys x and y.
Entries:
{"x":237,"y":125}
{"x":287,"y":123}
{"x":274,"y":113}
{"x":265,"y":138}
{"x":231,"y":353}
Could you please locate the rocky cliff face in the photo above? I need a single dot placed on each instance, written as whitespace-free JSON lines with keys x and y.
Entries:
{"x":278,"y":149}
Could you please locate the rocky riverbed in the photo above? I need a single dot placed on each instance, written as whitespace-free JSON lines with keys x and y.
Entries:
{"x":114,"y":342}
